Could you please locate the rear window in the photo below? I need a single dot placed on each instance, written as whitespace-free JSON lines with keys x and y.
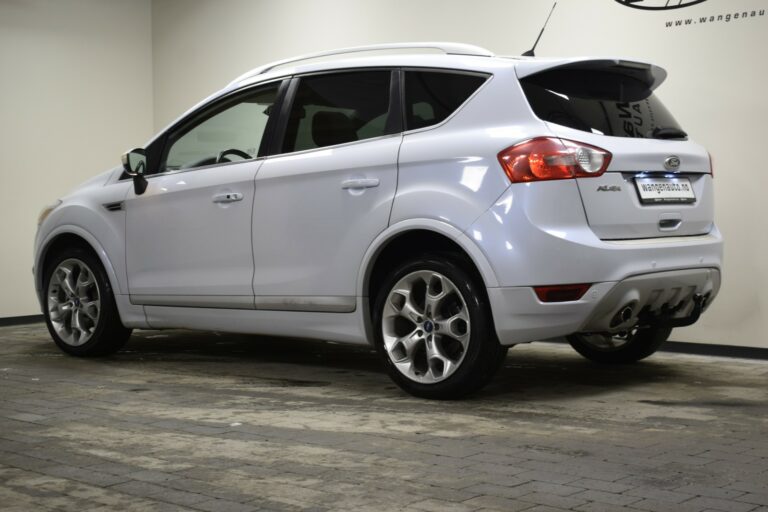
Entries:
{"x":604,"y":102}
{"x":432,"y":96}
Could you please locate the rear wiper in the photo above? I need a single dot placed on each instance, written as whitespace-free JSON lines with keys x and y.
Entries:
{"x":668,"y":133}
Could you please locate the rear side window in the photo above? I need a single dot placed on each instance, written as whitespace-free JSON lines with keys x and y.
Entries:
{"x":338,"y":108}
{"x":604,"y":102}
{"x":432,"y":96}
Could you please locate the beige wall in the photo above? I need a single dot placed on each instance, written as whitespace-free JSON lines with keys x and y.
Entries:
{"x":715,"y":89}
{"x":205,"y":44}
{"x":75,"y":92}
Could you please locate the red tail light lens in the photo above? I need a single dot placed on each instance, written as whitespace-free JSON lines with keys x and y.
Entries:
{"x":561,"y":293}
{"x":549,"y":158}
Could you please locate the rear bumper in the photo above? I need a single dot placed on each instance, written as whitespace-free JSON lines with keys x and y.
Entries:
{"x":520,"y":317}
{"x":538,"y":234}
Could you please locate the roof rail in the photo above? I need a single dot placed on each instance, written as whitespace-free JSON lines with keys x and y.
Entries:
{"x":447,"y":48}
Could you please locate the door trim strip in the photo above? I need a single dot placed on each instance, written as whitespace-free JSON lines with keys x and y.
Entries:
{"x":311,"y":303}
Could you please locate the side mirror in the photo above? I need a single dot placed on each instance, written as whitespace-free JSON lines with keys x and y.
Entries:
{"x":135,"y":165}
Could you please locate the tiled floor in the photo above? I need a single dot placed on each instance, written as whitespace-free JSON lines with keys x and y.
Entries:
{"x":204,"y":421}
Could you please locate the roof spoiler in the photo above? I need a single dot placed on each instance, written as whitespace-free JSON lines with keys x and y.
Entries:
{"x":651,"y":75}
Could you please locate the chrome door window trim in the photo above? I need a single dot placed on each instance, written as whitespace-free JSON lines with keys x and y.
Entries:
{"x":202,"y":167}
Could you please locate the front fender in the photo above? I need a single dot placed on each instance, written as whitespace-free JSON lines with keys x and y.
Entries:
{"x":98,"y":248}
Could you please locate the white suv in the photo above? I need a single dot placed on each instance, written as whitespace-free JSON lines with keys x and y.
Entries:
{"x":441,"y":206}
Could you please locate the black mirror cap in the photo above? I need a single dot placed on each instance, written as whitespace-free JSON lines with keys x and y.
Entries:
{"x":139,"y":184}
{"x":135,"y":162}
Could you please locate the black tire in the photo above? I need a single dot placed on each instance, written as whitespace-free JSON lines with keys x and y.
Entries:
{"x":483,"y":354}
{"x":637,"y":345}
{"x":108,"y":335}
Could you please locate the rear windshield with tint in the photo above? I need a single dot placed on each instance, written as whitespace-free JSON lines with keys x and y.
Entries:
{"x":432,"y":96}
{"x":600,"y":101}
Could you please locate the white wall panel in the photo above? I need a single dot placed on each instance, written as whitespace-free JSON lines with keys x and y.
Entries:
{"x":75,"y":92}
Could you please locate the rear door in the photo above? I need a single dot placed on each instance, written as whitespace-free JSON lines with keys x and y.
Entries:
{"x":658,"y":182}
{"x":328,"y":192}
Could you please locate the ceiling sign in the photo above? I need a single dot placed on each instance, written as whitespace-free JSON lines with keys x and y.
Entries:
{"x":659,"y":5}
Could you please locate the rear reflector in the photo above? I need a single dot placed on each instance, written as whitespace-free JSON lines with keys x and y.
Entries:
{"x":549,"y":158}
{"x":561,"y":293}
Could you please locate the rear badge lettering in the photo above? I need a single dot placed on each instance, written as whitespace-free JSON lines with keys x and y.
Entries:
{"x":609,"y":188}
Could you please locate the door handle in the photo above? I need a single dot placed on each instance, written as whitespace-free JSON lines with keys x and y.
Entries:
{"x":227,"y":197}
{"x":357,"y":183}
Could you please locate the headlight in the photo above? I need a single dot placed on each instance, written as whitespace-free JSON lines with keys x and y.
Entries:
{"x":47,"y":211}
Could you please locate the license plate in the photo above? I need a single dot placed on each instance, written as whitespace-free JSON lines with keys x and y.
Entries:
{"x":665,"y":190}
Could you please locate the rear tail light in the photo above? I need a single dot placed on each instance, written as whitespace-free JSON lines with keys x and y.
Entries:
{"x":549,"y":158}
{"x":561,"y":293}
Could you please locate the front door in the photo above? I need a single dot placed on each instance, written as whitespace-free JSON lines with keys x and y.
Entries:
{"x":188,"y":236}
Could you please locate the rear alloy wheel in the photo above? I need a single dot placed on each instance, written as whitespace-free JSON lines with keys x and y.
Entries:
{"x":80,"y":311}
{"x":434,"y":330}
{"x":625,"y":347}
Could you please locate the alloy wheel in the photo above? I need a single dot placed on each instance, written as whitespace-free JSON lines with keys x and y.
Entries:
{"x":426,"y":326}
{"x":74,"y":302}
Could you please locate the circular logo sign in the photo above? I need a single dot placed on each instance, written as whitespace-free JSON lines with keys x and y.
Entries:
{"x":672,"y":163}
{"x":659,"y":5}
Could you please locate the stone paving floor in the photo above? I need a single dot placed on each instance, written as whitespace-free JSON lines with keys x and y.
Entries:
{"x":203,"y":421}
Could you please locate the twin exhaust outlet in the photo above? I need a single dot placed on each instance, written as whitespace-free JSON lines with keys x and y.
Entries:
{"x":664,"y":317}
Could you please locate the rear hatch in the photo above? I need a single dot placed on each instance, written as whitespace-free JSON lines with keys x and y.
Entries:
{"x":658,"y":183}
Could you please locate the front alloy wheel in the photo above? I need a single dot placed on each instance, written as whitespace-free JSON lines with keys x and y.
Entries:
{"x":80,"y":309}
{"x":73,"y":302}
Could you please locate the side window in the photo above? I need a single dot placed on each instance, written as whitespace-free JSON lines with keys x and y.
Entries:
{"x":229,"y":132}
{"x":432,"y":96}
{"x":338,"y":108}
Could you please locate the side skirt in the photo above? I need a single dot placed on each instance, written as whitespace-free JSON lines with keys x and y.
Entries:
{"x":340,"y":327}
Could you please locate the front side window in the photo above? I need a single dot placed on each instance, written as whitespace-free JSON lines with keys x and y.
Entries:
{"x":230,"y":132}
{"x":338,"y":108}
{"x":432,"y":96}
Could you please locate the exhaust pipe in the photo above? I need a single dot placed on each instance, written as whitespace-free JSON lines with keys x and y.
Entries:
{"x":623,"y":316}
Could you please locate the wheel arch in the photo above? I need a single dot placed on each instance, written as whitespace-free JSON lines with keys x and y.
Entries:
{"x":428,"y":235}
{"x":441,"y":234}
{"x":70,"y":236}
{"x":376,"y":260}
